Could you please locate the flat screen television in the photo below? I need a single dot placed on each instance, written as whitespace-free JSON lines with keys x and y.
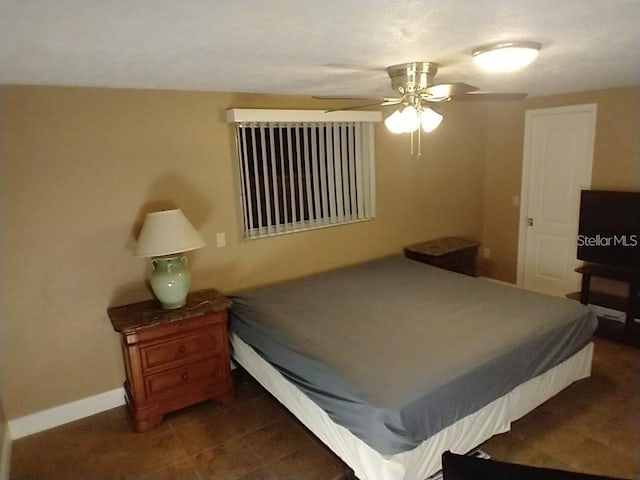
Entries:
{"x":609,"y":229}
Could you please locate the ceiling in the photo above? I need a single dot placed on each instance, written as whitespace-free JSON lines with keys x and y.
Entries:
{"x":313,"y":47}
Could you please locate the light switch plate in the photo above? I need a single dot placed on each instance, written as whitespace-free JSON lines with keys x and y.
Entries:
{"x":221,"y":239}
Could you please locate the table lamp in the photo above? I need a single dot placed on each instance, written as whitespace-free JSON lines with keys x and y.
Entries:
{"x":165,"y":235}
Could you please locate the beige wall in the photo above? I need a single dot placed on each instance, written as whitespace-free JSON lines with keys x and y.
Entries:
{"x":80,"y":167}
{"x":616,"y":163}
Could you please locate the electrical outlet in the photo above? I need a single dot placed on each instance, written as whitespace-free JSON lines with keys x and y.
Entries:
{"x":221,"y":240}
{"x":486,"y":253}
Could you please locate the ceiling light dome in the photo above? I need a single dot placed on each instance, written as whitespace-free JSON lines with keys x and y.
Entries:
{"x":506,"y":57}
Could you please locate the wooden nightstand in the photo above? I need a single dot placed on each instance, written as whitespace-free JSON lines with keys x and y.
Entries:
{"x":451,"y":253}
{"x":174,"y":358}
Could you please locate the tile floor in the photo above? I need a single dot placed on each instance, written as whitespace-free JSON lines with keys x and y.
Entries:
{"x":593,"y":426}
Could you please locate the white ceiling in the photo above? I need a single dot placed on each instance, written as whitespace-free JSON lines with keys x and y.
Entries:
{"x":316,"y":47}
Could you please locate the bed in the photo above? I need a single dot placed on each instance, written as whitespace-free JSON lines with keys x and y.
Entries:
{"x":392,"y":362}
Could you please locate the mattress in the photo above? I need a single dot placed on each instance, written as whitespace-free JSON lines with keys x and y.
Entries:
{"x":424,"y":460}
{"x":395,"y":350}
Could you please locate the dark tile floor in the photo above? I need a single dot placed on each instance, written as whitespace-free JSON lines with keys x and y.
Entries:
{"x":593,"y":426}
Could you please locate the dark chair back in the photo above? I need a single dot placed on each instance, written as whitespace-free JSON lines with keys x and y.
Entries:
{"x":464,"y":467}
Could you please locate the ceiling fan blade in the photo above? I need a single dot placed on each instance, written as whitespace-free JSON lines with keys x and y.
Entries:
{"x":382,"y":101}
{"x":357,"y":107}
{"x":490,"y":97}
{"x":443,"y":91}
{"x":320,"y":97}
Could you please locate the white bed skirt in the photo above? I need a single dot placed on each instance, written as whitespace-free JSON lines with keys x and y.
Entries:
{"x":425,"y":459}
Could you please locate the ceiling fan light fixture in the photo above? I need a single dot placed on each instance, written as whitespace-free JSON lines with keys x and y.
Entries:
{"x":404,"y":120}
{"x":410,"y":119}
{"x":506,"y":57}
{"x":430,"y":120}
{"x":394,"y":122}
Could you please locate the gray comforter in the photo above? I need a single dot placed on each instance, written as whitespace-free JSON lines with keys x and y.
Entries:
{"x":395,"y":350}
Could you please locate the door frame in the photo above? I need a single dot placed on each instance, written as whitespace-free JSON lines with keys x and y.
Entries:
{"x":592,"y":110}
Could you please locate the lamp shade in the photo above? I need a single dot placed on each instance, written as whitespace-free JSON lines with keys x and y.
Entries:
{"x":410,"y":119}
{"x":430,"y":119}
{"x":165,"y":233}
{"x":394,"y":122}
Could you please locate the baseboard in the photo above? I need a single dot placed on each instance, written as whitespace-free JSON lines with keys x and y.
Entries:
{"x":53,"y":417}
{"x":502,"y":282}
{"x":5,"y":454}
{"x":610,"y":313}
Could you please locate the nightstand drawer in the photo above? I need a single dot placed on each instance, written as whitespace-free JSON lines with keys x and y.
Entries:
{"x":183,"y":350}
{"x":179,"y":327}
{"x":205,"y":372}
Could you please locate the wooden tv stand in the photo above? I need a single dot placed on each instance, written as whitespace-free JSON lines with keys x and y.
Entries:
{"x":629,"y":305}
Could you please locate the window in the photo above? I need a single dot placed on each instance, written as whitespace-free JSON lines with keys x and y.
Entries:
{"x":304,"y":169}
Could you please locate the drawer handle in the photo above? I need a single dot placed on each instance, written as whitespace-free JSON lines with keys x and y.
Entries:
{"x":185,"y":376}
{"x":182,"y":349}
{"x":180,"y":326}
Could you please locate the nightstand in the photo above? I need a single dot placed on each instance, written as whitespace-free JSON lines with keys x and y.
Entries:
{"x":174,"y":358}
{"x":451,"y":253}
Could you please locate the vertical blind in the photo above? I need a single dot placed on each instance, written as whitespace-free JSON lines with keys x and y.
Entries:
{"x":300,"y":175}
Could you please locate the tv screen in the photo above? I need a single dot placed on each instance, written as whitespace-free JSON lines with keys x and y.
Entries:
{"x":609,"y":231}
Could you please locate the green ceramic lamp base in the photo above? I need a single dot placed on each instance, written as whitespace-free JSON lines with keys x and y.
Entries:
{"x":170,"y":280}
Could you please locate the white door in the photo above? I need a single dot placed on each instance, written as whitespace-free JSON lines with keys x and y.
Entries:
{"x":558,"y":154}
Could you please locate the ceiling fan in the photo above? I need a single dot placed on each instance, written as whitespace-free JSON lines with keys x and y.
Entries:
{"x":415,"y":82}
